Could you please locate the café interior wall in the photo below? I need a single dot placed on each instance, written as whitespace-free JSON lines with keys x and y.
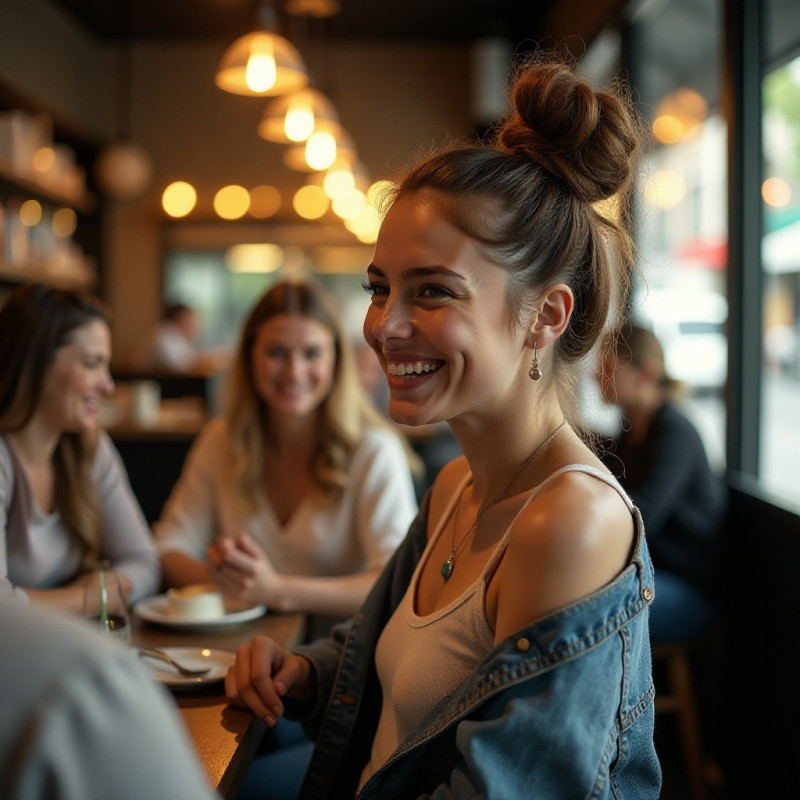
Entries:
{"x":57,"y":67}
{"x":392,"y":98}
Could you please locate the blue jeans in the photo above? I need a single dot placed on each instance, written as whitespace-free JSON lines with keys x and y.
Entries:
{"x":279,"y":765}
{"x":679,"y":610}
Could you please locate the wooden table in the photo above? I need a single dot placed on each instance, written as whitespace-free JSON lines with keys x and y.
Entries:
{"x":226,"y":737}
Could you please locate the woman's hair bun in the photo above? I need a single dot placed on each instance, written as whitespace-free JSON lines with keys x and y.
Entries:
{"x":585,"y":138}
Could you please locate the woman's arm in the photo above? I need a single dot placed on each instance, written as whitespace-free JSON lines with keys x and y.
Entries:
{"x":188,"y":523}
{"x":127,"y":542}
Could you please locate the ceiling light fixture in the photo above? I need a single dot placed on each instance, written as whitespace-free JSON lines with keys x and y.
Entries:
{"x":262,"y":63}
{"x":294,"y":117}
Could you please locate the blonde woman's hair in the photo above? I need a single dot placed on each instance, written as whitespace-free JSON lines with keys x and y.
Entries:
{"x":344,"y":414}
{"x":35,"y":322}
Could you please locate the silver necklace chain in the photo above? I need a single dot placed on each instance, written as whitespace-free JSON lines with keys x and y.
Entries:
{"x":449,"y":565}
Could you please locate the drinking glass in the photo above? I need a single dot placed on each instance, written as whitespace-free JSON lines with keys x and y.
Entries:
{"x":105,"y":606}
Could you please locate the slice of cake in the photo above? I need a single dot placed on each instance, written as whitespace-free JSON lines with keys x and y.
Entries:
{"x":198,"y":601}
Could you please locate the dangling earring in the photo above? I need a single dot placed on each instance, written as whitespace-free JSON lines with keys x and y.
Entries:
{"x":535,"y":373}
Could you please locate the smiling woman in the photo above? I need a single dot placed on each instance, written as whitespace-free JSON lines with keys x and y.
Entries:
{"x":65,"y":501}
{"x":504,"y":650}
{"x":297,"y":495}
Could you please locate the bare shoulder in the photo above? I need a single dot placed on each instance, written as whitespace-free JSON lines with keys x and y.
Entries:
{"x":576,"y":536}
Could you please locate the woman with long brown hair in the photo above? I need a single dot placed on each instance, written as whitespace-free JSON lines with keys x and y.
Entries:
{"x":65,"y":502}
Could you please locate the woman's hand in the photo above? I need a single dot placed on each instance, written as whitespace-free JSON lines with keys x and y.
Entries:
{"x":243,"y":571}
{"x":263,"y":673}
{"x":92,"y":579}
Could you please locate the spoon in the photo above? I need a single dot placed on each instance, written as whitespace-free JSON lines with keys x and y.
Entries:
{"x":187,"y":673}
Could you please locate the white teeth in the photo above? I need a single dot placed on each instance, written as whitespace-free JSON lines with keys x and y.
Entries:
{"x":417,"y":368}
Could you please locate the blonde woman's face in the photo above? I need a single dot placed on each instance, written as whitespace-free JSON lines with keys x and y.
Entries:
{"x":293,"y":361}
{"x":78,"y":379}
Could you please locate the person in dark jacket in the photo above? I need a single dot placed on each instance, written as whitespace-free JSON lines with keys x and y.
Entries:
{"x":661,"y":462}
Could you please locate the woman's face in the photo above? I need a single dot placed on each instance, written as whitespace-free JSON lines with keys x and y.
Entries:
{"x":78,"y":380}
{"x":439,"y":319}
{"x":619,"y":380}
{"x":293,"y":360}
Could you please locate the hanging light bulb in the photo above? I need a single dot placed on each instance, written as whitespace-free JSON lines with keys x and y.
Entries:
{"x":320,"y":150}
{"x":262,"y":63}
{"x":328,"y":143}
{"x":294,"y":117}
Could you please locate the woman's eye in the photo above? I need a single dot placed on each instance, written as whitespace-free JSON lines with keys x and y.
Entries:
{"x":373,"y":289}
{"x":434,"y":292}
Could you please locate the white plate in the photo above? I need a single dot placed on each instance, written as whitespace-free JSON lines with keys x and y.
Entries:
{"x":154,"y":609}
{"x":192,"y":658}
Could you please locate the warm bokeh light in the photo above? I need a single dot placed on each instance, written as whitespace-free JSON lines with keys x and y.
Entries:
{"x":366,"y":225}
{"x":310,"y":202}
{"x":668,"y":129}
{"x":64,"y":223}
{"x":30,"y":213}
{"x":178,"y":199}
{"x":350,"y":205}
{"x":776,"y":192}
{"x":665,"y":189}
{"x":339,"y":180}
{"x":320,"y":150}
{"x":44,"y":159}
{"x":265,"y":201}
{"x":232,"y":202}
{"x":679,"y":115}
{"x":298,"y":124}
{"x":254,"y":257}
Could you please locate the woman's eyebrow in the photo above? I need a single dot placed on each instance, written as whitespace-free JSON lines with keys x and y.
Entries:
{"x":419,"y":272}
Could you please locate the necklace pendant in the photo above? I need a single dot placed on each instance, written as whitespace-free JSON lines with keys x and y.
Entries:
{"x":447,"y":569}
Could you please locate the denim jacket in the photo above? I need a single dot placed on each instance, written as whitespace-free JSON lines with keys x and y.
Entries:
{"x":561,"y":710}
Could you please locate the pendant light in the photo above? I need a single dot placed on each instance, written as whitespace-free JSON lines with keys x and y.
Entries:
{"x":262,"y":63}
{"x":123,"y":169}
{"x":328,"y":142}
{"x":294,"y":117}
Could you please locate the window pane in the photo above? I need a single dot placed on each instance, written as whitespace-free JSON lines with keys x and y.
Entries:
{"x":682,"y":204}
{"x":780,"y":421}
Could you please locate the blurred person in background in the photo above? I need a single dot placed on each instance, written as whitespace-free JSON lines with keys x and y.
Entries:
{"x":172,"y":348}
{"x":65,"y":501}
{"x":660,"y":459}
{"x":300,"y":491}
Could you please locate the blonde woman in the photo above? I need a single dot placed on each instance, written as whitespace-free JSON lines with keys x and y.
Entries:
{"x":299,"y":493}
{"x":65,"y":500}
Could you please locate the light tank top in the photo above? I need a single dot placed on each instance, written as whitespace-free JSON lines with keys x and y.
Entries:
{"x":419,"y":660}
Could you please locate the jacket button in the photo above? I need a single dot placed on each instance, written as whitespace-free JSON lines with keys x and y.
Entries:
{"x":347,"y":700}
{"x":648,"y":594}
{"x":523,"y":645}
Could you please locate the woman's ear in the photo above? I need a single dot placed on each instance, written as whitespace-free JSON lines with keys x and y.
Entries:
{"x":551,"y":316}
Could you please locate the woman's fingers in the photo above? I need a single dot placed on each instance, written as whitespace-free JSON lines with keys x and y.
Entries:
{"x":249,"y":681}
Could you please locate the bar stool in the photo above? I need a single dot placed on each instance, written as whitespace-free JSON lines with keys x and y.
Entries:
{"x":678,"y":697}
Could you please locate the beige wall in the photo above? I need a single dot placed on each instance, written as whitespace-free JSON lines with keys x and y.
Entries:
{"x":392,"y":98}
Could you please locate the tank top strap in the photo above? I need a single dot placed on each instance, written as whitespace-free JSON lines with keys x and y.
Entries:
{"x":589,"y":470}
{"x":499,"y":551}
